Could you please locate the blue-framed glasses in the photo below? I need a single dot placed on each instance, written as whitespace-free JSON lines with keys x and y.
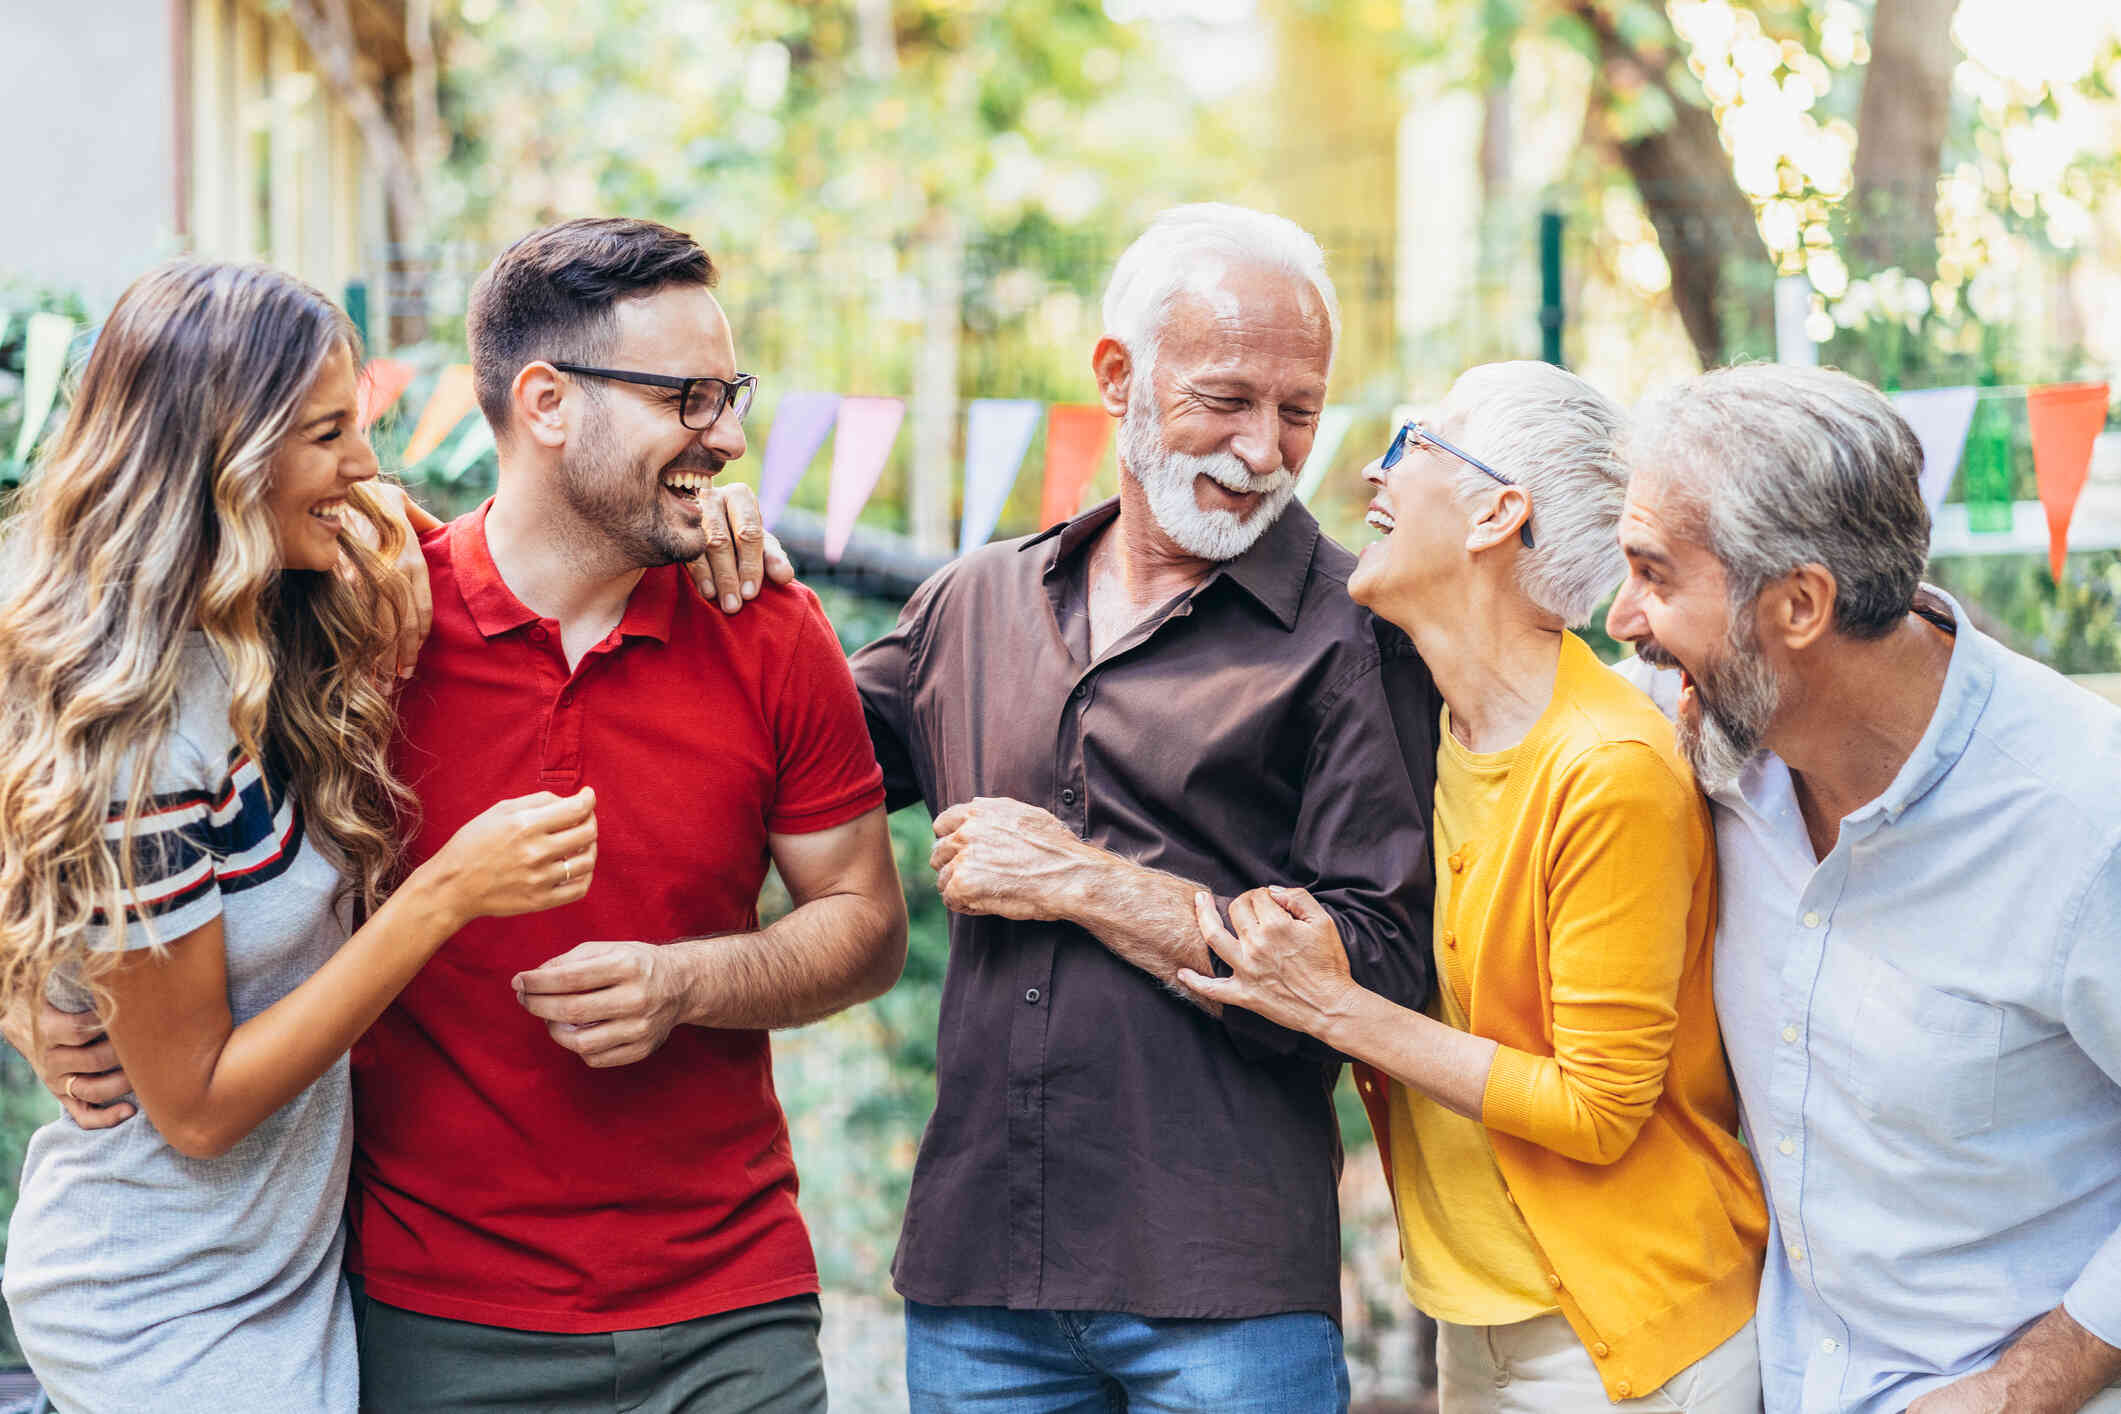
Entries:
{"x":1414,"y":434}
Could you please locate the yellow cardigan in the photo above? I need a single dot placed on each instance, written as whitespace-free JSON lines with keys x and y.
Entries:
{"x":1609,"y":1104}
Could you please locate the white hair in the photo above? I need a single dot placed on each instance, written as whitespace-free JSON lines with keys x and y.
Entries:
{"x":1562,"y":441}
{"x":1186,"y":241}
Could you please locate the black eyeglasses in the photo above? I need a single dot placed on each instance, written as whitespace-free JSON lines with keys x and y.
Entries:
{"x":1415,"y":432}
{"x":700,"y":400}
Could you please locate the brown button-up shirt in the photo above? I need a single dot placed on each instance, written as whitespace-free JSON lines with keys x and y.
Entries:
{"x":1097,"y":1142}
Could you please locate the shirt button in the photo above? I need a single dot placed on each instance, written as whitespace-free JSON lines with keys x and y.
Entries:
{"x":538,"y":634}
{"x":1796,"y":1253}
{"x":1082,"y":690}
{"x":1031,"y":996}
{"x":1811,"y":920}
{"x":1786,"y":1145}
{"x":1601,"y":1349}
{"x":1830,"y":1345}
{"x":1623,"y":1389}
{"x":1068,"y":797}
{"x":1789,"y":1033}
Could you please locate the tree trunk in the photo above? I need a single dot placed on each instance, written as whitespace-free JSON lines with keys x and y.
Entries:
{"x":327,"y":29}
{"x":1901,"y":125}
{"x":1705,"y":224}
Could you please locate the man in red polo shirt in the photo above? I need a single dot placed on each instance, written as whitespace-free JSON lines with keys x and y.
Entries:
{"x":573,"y":1188}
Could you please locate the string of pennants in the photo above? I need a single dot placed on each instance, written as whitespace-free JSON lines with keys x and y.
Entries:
{"x":2065,"y":420}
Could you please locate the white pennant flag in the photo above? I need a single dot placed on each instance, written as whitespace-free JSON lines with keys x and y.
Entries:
{"x":998,"y":431}
{"x":44,"y":344}
{"x":1940,"y":417}
{"x":1333,"y":425}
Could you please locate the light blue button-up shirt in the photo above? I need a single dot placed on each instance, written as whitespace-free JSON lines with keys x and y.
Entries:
{"x":1925,"y":1027}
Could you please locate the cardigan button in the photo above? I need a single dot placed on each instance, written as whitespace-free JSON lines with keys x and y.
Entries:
{"x":1450,"y":940}
{"x":1623,"y":1389}
{"x":1458,"y":860}
{"x":1554,"y":1280}
{"x":1601,"y":1350}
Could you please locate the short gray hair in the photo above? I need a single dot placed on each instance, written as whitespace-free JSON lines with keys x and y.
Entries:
{"x":1562,"y":440}
{"x":1791,"y":466}
{"x":1156,"y":268}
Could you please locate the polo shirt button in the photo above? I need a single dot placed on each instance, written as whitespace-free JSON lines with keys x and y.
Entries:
{"x":1789,"y":1033}
{"x":1554,"y":1280}
{"x":1786,"y":1145}
{"x":1068,"y":797}
{"x":1031,"y":996}
{"x":567,"y":697}
{"x":1811,"y":920}
{"x":1623,"y":1389}
{"x":1601,"y":1349}
{"x":538,"y":634}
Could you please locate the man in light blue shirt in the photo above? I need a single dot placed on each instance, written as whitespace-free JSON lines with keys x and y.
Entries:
{"x":1918,"y":966}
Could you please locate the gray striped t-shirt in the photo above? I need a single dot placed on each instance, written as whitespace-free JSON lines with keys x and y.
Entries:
{"x":140,"y":1279}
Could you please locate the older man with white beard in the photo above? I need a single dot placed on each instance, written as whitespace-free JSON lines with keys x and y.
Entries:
{"x":1124,"y":1198}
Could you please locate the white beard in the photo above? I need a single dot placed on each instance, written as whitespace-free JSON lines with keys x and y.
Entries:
{"x":1166,"y":478}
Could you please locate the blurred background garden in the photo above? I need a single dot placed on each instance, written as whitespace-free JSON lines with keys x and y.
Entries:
{"x":920,"y":200}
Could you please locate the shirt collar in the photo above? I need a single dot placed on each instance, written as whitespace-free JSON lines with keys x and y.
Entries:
{"x":1968,"y":680}
{"x":1273,"y":571}
{"x":496,"y":610}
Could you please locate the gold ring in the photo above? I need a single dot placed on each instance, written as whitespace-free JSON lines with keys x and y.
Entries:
{"x":70,"y":1087}
{"x":567,"y":865}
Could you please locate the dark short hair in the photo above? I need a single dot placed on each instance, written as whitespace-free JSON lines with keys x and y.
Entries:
{"x":550,"y":296}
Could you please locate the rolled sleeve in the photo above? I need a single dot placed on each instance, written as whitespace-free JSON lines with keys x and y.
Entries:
{"x":1361,"y":843}
{"x":2091,"y":1009}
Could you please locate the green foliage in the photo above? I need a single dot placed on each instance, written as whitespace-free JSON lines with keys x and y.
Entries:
{"x":20,"y":299}
{"x":2073,"y":627}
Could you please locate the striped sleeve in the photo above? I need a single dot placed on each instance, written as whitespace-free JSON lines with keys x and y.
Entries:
{"x":173,"y":884}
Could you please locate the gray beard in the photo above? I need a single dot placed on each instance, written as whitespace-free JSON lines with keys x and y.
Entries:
{"x":1734,"y":703}
{"x":1166,"y":479}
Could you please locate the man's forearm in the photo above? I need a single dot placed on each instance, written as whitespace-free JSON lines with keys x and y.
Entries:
{"x":1143,"y":915}
{"x":2056,"y":1366}
{"x":823,"y":957}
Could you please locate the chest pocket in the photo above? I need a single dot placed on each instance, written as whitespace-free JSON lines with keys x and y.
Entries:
{"x":1922,"y":1059}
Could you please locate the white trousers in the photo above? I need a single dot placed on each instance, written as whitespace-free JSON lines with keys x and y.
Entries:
{"x":1539,"y":1367}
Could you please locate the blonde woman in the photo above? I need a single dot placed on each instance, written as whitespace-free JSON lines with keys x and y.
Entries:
{"x":1575,"y":1207}
{"x":195,"y":812}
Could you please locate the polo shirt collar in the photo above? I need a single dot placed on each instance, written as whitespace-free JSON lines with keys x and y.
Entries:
{"x":1273,"y":572}
{"x":495,"y":610}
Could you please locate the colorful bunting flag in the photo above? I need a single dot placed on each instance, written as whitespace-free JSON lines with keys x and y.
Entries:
{"x":383,"y":382}
{"x":998,"y":431}
{"x":2065,"y":418}
{"x":45,"y":341}
{"x":866,"y":429}
{"x":1940,"y":417}
{"x":800,"y":426}
{"x":1076,"y":434}
{"x":1332,"y":430}
{"x":446,"y":405}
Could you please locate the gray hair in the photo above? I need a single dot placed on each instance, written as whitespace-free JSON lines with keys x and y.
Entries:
{"x":1562,"y":440}
{"x":1793,"y":466}
{"x":1164,"y":259}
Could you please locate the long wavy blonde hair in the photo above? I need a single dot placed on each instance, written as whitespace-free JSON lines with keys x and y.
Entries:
{"x":147,"y":518}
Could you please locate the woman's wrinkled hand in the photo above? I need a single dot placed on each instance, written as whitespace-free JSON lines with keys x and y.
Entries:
{"x":1287,"y":963}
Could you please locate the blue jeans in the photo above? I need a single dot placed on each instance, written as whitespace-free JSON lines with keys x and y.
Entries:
{"x":987,"y":1360}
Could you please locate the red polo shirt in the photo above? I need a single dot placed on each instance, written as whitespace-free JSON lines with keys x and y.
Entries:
{"x":497,"y":1178}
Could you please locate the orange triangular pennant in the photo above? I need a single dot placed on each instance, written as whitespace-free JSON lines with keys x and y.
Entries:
{"x":2066,"y":419}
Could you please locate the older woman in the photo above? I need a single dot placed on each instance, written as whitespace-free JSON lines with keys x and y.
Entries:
{"x":1575,"y":1207}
